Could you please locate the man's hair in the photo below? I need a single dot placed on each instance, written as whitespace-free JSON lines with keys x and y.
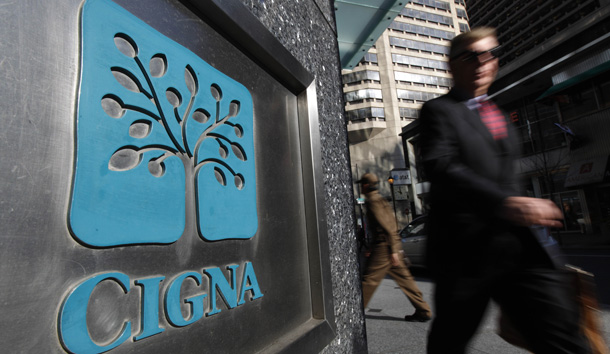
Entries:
{"x":461,"y":41}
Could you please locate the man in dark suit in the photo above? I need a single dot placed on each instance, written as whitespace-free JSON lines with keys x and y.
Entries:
{"x":480,"y":247}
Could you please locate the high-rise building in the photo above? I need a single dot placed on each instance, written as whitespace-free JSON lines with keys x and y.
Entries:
{"x":384,"y":92}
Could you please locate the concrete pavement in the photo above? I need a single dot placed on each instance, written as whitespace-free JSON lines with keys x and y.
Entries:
{"x":387,"y":332}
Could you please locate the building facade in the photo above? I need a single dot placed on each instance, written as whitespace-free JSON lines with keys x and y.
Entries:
{"x":384,"y":92}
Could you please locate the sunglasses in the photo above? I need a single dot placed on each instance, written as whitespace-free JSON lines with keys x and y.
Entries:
{"x":482,"y":57}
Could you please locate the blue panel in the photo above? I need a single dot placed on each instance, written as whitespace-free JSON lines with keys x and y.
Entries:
{"x":154,"y":123}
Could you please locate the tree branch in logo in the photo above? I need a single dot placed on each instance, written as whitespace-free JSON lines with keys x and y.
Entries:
{"x":176,"y":124}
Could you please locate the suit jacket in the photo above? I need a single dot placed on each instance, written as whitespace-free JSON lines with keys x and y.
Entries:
{"x":381,"y":221}
{"x":470,"y":174}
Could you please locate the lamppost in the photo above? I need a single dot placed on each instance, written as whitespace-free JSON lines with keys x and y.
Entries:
{"x":391,"y":180}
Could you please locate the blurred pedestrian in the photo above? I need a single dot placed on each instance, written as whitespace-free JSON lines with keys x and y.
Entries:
{"x":479,"y":245}
{"x":386,"y":252}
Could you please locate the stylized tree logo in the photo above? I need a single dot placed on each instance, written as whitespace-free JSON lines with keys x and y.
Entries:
{"x":129,"y":157}
{"x":143,"y":113}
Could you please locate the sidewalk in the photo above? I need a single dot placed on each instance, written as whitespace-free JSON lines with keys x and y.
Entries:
{"x":387,"y":332}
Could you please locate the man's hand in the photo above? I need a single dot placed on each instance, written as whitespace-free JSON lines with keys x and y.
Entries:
{"x":525,"y":211}
{"x":395,"y":260}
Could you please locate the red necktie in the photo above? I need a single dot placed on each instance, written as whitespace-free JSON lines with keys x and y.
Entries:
{"x":493,"y":119}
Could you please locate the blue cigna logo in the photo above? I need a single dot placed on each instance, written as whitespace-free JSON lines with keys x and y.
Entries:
{"x":157,"y":129}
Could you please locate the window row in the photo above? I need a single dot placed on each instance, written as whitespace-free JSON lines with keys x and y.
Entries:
{"x":363,"y":94}
{"x":366,"y":113}
{"x":427,"y":16}
{"x":441,"y":5}
{"x":411,"y":44}
{"x":523,"y":25}
{"x":416,"y":95}
{"x":484,"y":10}
{"x":423,"y":79}
{"x":461,"y":13}
{"x":464,"y":27}
{"x":540,"y":25}
{"x":358,"y":76}
{"x":426,"y":31}
{"x":422,"y":62}
{"x":369,"y":58}
{"x":408,"y":113}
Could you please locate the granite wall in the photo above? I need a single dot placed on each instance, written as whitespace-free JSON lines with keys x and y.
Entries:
{"x":307,"y":29}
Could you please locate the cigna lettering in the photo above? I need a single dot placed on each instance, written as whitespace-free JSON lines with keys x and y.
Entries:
{"x":73,"y":330}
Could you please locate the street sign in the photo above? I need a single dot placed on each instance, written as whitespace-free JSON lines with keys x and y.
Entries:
{"x":401,"y":176}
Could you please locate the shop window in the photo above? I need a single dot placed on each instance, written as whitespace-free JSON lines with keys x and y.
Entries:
{"x":604,"y":90}
{"x":573,"y":218}
{"x":552,"y":187}
{"x":577,"y":101}
{"x":535,"y":123}
{"x":603,"y":200}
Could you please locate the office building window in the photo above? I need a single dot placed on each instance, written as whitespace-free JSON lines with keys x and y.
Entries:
{"x":369,"y":58}
{"x":419,"y":46}
{"x":410,"y":78}
{"x":440,"y":5}
{"x":363,"y":114}
{"x":526,"y":24}
{"x":426,"y":16}
{"x":421,"y":30}
{"x":365,"y":95}
{"x":408,"y":113}
{"x":461,"y":13}
{"x":358,"y":77}
{"x":415,"y":96}
{"x":420,"y":62}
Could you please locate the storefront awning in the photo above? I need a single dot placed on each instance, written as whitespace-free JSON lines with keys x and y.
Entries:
{"x":598,"y":70}
{"x":587,"y":171}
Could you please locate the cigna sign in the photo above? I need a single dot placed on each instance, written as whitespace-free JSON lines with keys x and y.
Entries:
{"x":73,"y":330}
{"x":159,"y":132}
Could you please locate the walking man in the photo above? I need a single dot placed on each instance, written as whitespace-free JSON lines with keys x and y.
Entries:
{"x":479,"y":245}
{"x":385,"y":254}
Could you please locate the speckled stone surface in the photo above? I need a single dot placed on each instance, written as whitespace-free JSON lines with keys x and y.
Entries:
{"x":307,"y":29}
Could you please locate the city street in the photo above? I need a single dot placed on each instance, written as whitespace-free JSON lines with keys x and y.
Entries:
{"x":387,"y":332}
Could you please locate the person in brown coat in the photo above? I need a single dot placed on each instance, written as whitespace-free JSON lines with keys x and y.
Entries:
{"x":385,"y":254}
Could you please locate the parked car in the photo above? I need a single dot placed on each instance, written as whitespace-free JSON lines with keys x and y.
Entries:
{"x":413,"y":237}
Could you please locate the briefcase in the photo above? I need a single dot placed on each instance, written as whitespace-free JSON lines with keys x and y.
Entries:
{"x":586,"y":296}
